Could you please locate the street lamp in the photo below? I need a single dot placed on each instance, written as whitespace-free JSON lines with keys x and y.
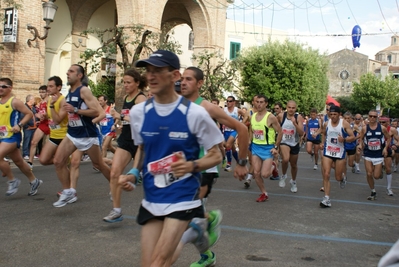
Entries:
{"x":49,"y":9}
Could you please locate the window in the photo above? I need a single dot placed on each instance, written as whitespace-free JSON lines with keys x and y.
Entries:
{"x":234,"y":49}
{"x":389,"y":58}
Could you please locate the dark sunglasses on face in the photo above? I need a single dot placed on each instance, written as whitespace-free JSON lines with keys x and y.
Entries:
{"x":372,"y":116}
{"x":230,"y":101}
{"x":4,"y":86}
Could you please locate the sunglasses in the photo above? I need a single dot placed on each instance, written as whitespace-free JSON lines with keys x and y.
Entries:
{"x":230,"y":101}
{"x":372,"y":116}
{"x":383,"y":122}
{"x":4,"y":86}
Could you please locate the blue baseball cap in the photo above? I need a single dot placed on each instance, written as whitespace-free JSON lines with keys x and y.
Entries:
{"x":160,"y":58}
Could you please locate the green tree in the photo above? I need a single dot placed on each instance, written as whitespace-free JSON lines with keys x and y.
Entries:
{"x":285,"y":71}
{"x":371,"y":91}
{"x":131,"y":42}
{"x":348,"y":104}
{"x":219,"y":74}
{"x":104,"y":87}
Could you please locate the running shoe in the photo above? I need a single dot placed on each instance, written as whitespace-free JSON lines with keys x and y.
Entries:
{"x":215,"y":218}
{"x":281,"y":183}
{"x":13,"y":187}
{"x":294,"y":188}
{"x":34,"y":187}
{"x":113,"y":216}
{"x":228,"y":168}
{"x":357,"y":170}
{"x":373,"y":196}
{"x":247,"y":183}
{"x":395,"y":168}
{"x":30,"y":165}
{"x":262,"y":198}
{"x":26,"y":158}
{"x":389,"y":192}
{"x":311,"y":157}
{"x":85,"y":157}
{"x":224,"y":162}
{"x":325,"y":203}
{"x":342,"y":183}
{"x":353,"y":169}
{"x":65,"y":198}
{"x":208,"y":259}
{"x":315,"y":167}
{"x":202,"y":242}
{"x":322,"y":189}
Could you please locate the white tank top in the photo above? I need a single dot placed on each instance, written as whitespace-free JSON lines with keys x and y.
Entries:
{"x":233,"y":114}
{"x":333,"y":148}
{"x":290,"y":136}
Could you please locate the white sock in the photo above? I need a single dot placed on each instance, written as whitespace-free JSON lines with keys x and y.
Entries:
{"x":72,"y":190}
{"x":389,"y":180}
{"x":189,"y":236}
{"x":249,"y":177}
{"x":118,"y":210}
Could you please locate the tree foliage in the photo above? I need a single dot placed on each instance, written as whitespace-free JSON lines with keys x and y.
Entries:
{"x":104,"y":87}
{"x":219,"y":74}
{"x":371,"y":91}
{"x":348,"y":104}
{"x":132,"y":42}
{"x":285,"y":71}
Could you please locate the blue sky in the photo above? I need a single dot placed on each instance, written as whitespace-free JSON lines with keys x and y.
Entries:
{"x":304,"y":19}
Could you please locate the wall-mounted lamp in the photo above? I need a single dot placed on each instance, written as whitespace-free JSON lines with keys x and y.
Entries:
{"x":49,"y":9}
{"x":80,"y":40}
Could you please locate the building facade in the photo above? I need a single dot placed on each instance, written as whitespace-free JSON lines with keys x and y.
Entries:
{"x":346,"y":67}
{"x":31,"y":66}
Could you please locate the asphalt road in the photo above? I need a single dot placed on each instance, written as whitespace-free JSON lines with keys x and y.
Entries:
{"x":290,"y":229}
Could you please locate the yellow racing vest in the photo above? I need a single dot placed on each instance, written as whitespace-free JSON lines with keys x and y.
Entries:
{"x":57,"y":131}
{"x":262,"y":135}
{"x":8,"y":118}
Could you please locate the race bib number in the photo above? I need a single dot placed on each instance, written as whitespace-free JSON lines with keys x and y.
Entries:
{"x":333,"y":151}
{"x":374,"y":145}
{"x":126,"y":113}
{"x":288,"y":134}
{"x":74,"y":120}
{"x":53,"y":126}
{"x":162,"y":171}
{"x":259,"y":135}
{"x":3,"y":131}
{"x":313,"y":130}
{"x":104,"y":122}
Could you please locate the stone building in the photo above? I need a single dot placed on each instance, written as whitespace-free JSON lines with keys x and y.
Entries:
{"x":346,"y":67}
{"x":31,"y":66}
{"x":389,"y":59}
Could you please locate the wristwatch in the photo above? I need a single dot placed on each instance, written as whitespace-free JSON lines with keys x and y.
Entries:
{"x":242,"y":162}
{"x":276,"y":147}
{"x":122,"y":116}
{"x":75,"y":110}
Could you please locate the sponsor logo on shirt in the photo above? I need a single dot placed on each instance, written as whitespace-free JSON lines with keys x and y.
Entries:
{"x":178,"y":135}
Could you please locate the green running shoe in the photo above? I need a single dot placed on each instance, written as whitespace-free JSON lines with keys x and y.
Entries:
{"x":208,"y":259}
